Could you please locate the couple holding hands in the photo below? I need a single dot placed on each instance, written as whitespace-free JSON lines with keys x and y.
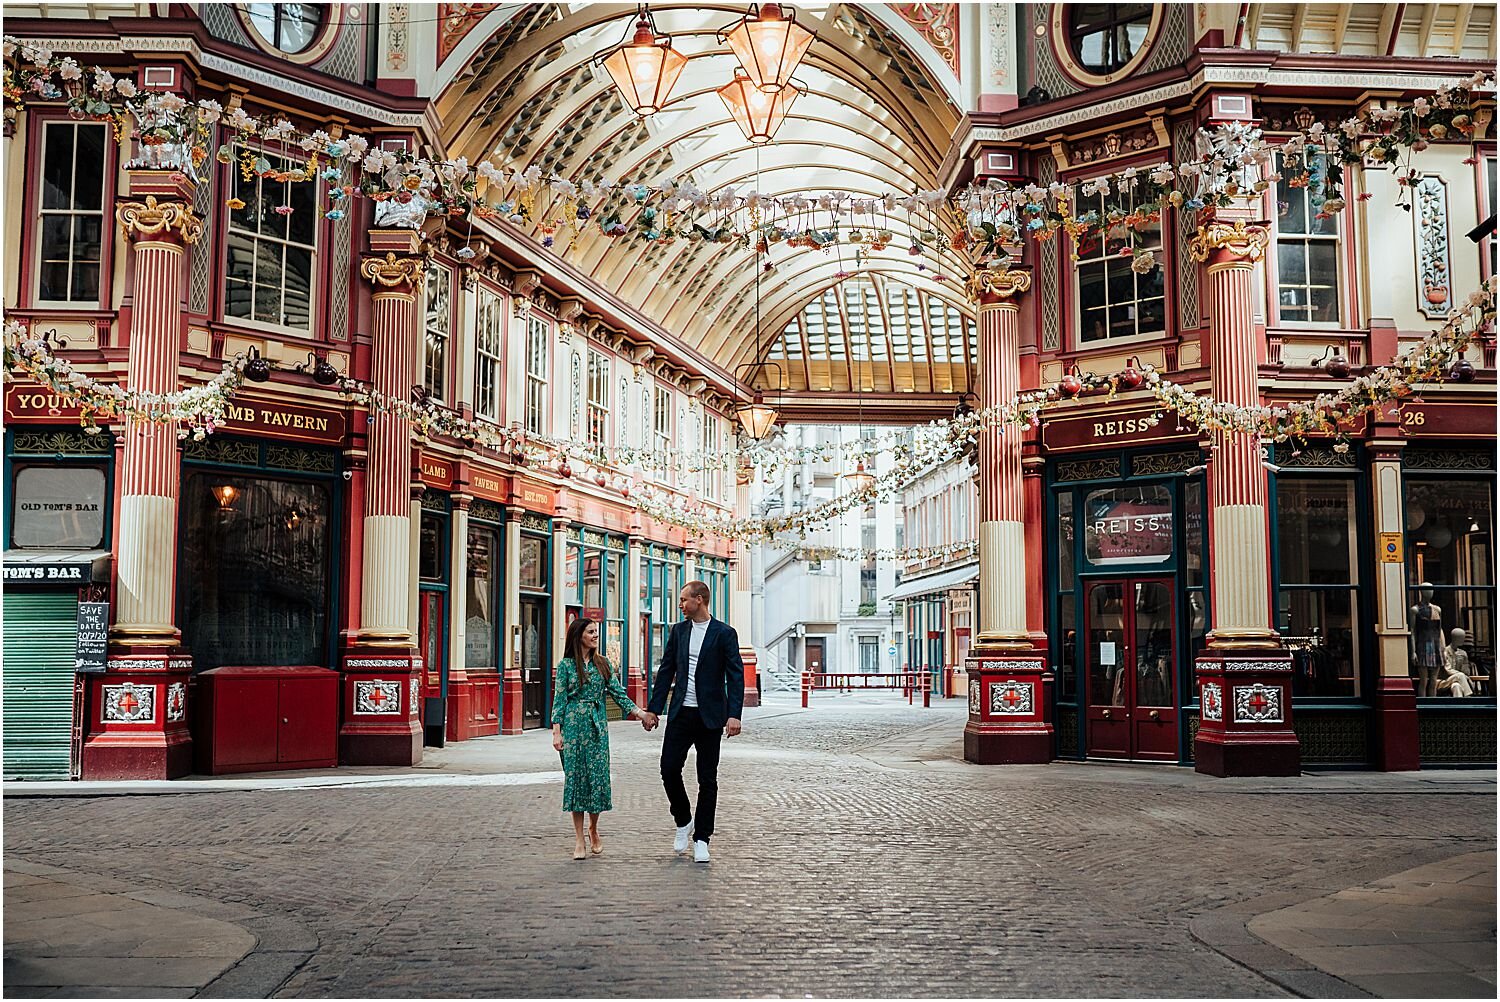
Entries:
{"x":701,"y":668}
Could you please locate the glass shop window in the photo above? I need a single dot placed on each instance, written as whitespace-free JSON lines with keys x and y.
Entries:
{"x":1127,"y":525}
{"x":58,"y":507}
{"x":255,"y":570}
{"x":480,"y":615}
{"x":1450,"y":567}
{"x":1317,"y":607}
{"x":430,"y":551}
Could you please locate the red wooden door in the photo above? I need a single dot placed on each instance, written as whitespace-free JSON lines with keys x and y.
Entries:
{"x":309,"y":720}
{"x":1131,"y":660}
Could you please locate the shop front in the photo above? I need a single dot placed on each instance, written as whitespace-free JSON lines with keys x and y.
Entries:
{"x":662,"y":578}
{"x":434,"y":574}
{"x":595,"y":586}
{"x":57,"y":573}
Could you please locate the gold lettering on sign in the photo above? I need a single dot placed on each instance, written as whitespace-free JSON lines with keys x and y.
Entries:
{"x":1125,"y":426}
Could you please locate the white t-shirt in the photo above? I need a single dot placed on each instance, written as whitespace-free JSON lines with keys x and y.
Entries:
{"x":700,"y":630}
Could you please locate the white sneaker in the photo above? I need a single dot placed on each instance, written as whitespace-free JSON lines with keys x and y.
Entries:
{"x":700,"y":852}
{"x":684,"y":838}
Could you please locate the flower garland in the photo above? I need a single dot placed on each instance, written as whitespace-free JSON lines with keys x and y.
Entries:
{"x":897,"y":554}
{"x":200,"y":410}
{"x":982,"y":221}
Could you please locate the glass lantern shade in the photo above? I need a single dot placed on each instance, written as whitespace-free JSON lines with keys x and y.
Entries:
{"x":860,"y":478}
{"x":769,"y":45}
{"x":645,"y":69}
{"x":757,"y":113}
{"x":756,"y":417}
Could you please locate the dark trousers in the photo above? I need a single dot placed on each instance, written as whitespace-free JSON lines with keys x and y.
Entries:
{"x":685,"y":730}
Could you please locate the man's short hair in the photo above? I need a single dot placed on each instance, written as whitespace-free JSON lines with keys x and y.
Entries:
{"x":698,"y":590}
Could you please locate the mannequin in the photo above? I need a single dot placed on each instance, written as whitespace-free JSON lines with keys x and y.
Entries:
{"x":1455,"y":680}
{"x":1426,"y":641}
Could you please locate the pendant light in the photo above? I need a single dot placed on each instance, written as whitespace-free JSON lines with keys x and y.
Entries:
{"x":769,"y":43}
{"x":860,"y":479}
{"x":758,"y":113}
{"x":645,"y":67}
{"x":757,"y":417}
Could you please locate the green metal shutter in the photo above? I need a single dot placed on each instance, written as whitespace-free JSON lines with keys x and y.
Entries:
{"x":41,"y":638}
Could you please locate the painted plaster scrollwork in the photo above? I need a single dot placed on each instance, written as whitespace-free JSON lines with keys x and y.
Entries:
{"x":1434,"y":295}
{"x":1212,"y":701}
{"x":176,"y":702}
{"x":938,"y":23}
{"x":391,"y":271}
{"x":1240,"y":239}
{"x":1011,"y":697}
{"x":998,"y":283}
{"x":152,"y":219}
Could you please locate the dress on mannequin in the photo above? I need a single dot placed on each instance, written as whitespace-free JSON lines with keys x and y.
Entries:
{"x":1426,"y":641}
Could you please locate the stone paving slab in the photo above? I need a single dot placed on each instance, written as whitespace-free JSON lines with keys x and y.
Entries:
{"x":857,"y":855}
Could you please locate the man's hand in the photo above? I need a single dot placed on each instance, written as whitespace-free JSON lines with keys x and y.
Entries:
{"x":648,"y":720}
{"x":732,"y":726}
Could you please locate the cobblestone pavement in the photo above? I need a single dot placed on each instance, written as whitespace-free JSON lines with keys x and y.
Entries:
{"x":856,"y":855}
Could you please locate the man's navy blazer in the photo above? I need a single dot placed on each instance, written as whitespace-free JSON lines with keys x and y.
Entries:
{"x":721,"y":673}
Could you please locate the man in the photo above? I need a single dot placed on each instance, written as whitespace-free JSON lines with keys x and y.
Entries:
{"x":701,"y":665}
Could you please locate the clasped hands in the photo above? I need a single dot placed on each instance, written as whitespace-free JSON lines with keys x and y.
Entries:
{"x":648,"y":720}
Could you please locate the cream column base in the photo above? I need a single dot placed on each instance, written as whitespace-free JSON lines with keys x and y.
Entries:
{"x":146,"y":568}
{"x":1242,"y":613}
{"x":1002,"y":584}
{"x":385,"y":589}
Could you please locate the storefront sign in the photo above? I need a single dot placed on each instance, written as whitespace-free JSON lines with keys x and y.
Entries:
{"x":50,"y":573}
{"x":1448,"y":420}
{"x":93,"y":636}
{"x":490,"y":486}
{"x":1128,"y":525}
{"x":31,"y":403}
{"x":437,"y":473}
{"x":1123,"y":428}
{"x":1390,"y":548}
{"x":285,"y":420}
{"x":536,"y":498}
{"x":605,"y":516}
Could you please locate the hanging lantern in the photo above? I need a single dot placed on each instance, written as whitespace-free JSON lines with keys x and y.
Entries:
{"x":757,"y":113}
{"x":225,"y":495}
{"x":860,"y":479}
{"x":769,"y":43}
{"x":644,"y":68}
{"x":756,"y":417}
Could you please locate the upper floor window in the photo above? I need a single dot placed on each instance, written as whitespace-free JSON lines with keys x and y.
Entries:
{"x":438,"y":330}
{"x":710,"y":456}
{"x":489,"y":344}
{"x":598,"y":426}
{"x":662,"y":423}
{"x":290,"y":27}
{"x":1307,"y":248}
{"x":1105,"y":37}
{"x":72,"y":212}
{"x":536,"y":375}
{"x":272,"y":236}
{"x":1114,"y":301}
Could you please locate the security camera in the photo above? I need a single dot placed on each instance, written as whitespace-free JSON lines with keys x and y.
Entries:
{"x":348,"y":474}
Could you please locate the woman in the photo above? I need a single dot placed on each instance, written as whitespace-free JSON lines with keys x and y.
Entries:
{"x":581,"y":732}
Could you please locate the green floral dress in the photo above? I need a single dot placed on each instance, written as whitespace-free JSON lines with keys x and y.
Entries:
{"x":585,"y":733}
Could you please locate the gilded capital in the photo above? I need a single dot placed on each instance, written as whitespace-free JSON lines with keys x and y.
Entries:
{"x":391,"y":271}
{"x":998,"y":283}
{"x":153,"y":219}
{"x":1240,"y":240}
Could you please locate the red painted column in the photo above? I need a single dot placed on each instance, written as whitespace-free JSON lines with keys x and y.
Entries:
{"x":1397,"y":733}
{"x":1007,"y":670}
{"x":382,"y":668}
{"x":1245,"y":683}
{"x":138,"y":724}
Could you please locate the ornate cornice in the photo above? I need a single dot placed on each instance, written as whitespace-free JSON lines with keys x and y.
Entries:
{"x":998,"y":283}
{"x":153,"y":219}
{"x":1240,"y":240}
{"x":392,"y":271}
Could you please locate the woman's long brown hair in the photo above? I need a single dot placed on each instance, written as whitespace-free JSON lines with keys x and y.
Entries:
{"x":573,"y":648}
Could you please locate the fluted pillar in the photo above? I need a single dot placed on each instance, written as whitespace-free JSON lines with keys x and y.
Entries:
{"x":382,"y":667}
{"x":138,"y":708}
{"x":1397,"y":735}
{"x":1008,"y":712}
{"x":1245,"y":681}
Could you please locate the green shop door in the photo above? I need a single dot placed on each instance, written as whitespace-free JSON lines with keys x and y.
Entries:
{"x":41,"y":641}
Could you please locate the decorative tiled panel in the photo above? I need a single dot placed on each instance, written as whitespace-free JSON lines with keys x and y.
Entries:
{"x":377,"y":697}
{"x":176,"y":702}
{"x":1257,"y":704}
{"x":1011,"y":697}
{"x":1213,"y":701}
{"x":973,"y":695}
{"x":416,"y":692}
{"x":129,"y":703}
{"x":1430,"y":217}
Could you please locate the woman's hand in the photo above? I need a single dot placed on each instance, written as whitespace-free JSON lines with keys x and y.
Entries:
{"x":557,"y":737}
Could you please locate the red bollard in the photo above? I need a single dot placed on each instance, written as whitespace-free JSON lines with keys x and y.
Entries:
{"x":806,"y":688}
{"x":926,"y":691}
